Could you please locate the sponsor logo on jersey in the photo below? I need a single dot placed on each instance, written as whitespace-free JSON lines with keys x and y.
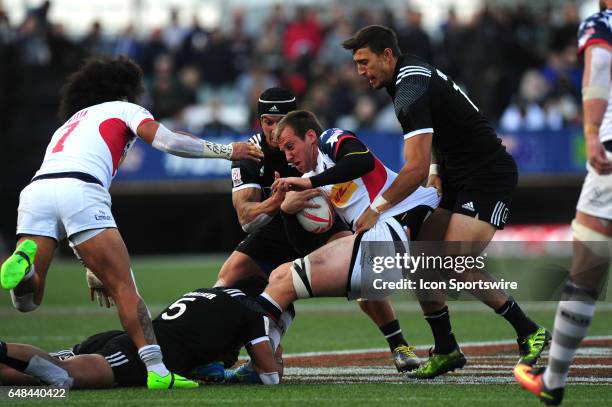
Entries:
{"x":469,"y":206}
{"x":340,"y":194}
{"x":101,"y":215}
{"x":236,"y":177}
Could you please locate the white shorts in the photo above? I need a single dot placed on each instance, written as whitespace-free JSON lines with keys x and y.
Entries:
{"x":596,"y":196}
{"x":63,"y":207}
{"x":376,"y":242}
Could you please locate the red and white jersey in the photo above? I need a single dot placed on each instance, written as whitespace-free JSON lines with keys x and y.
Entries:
{"x":95,"y":140}
{"x":352,"y":198}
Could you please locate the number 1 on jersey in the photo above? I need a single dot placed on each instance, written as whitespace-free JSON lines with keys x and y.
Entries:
{"x":60,"y":144}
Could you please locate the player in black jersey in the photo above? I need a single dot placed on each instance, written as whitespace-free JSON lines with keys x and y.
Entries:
{"x":194,"y":330}
{"x":445,"y":133}
{"x":267,"y":246}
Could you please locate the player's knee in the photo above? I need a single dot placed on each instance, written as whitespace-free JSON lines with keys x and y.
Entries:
{"x":24,"y":303}
{"x":301,"y":278}
{"x":597,"y":242}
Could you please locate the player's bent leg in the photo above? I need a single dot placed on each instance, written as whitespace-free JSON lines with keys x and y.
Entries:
{"x":89,"y":371}
{"x":590,"y":265}
{"x":382,"y":314}
{"x":106,"y":256}
{"x":25,"y":271}
{"x":8,"y":375}
{"x":238,"y":266}
{"x":323,"y":273}
{"x":434,"y":226}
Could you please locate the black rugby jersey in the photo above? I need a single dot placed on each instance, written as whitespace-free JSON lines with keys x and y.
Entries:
{"x":251,"y":174}
{"x":204,"y":324}
{"x":428,"y":101}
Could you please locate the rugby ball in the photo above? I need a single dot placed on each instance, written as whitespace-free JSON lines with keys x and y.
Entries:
{"x":317,"y":220}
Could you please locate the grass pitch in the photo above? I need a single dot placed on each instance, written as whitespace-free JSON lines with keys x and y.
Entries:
{"x":322,"y":325}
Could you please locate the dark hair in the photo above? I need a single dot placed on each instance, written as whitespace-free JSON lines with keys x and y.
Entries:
{"x":376,"y":37}
{"x":300,"y":121}
{"x":100,"y":80}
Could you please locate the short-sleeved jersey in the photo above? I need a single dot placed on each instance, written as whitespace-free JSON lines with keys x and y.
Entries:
{"x":597,"y":29}
{"x":206,"y":323}
{"x":352,"y":198}
{"x":95,"y":140}
{"x":428,"y":101}
{"x":251,"y":174}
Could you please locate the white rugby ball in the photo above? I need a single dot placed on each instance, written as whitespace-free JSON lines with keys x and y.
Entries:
{"x":317,"y":220}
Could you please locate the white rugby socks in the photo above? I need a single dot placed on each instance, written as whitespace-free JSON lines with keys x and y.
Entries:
{"x":151,"y":356}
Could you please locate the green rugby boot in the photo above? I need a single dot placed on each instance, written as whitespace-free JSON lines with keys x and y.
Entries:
{"x":531,"y":346}
{"x":18,"y":264}
{"x":169,"y":381}
{"x":438,"y":364}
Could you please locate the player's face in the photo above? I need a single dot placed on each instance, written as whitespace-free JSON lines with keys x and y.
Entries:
{"x":377,"y":69}
{"x":298,"y":152}
{"x":268,"y":125}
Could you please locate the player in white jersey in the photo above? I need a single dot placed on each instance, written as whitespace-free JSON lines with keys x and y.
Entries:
{"x":342,"y":166}
{"x":592,"y":227}
{"x":68,"y":197}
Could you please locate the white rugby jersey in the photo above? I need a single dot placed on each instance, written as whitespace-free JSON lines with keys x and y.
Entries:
{"x":352,"y":198}
{"x":597,"y":29}
{"x":95,"y":140}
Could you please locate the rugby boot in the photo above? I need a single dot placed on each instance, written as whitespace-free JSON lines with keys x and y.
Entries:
{"x":405,"y":359}
{"x":532,"y":380}
{"x":531,"y":346}
{"x":211,"y":372}
{"x":438,"y":364}
{"x":245,"y":374}
{"x":169,"y":381}
{"x":18,"y":264}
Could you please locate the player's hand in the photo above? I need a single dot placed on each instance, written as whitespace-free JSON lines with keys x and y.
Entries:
{"x":367,"y":220}
{"x":299,"y":183}
{"x":96,"y":289}
{"x":295,"y":201}
{"x":279,"y":190}
{"x":596,"y":154}
{"x":436,"y":182}
{"x":246,"y":151}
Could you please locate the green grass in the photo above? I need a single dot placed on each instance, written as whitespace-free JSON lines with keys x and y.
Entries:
{"x":67,"y":316}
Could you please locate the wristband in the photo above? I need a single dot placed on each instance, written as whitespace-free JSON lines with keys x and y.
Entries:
{"x":434,"y":169}
{"x":379,"y":201}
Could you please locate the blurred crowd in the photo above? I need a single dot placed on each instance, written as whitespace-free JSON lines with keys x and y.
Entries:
{"x":517,"y":63}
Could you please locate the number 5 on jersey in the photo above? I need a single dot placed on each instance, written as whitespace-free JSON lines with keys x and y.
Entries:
{"x":69,"y":129}
{"x":178,"y":304}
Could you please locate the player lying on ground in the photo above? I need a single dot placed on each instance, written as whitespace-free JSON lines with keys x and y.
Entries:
{"x":267,"y":246}
{"x":445,"y":132}
{"x":343,"y":167}
{"x":592,"y":227}
{"x":68,"y":196}
{"x":198,"y":328}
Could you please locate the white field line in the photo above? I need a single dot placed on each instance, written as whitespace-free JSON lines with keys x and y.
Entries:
{"x":6,"y":310}
{"x":464,"y":346}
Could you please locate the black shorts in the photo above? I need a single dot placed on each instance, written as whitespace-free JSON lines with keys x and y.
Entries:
{"x":269,"y":246}
{"x":485,"y":196}
{"x":120,"y":353}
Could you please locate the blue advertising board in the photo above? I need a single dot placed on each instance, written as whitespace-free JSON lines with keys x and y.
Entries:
{"x":536,"y":153}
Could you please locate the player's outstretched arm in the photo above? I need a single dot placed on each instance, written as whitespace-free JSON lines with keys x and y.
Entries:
{"x":265,"y":363}
{"x":186,"y":145}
